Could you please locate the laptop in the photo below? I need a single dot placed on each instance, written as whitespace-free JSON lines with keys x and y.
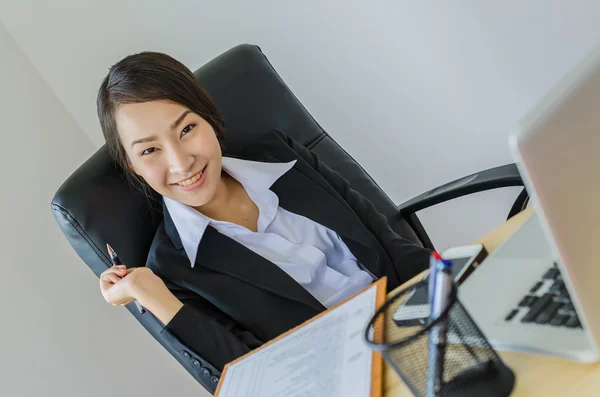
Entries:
{"x":539,"y":292}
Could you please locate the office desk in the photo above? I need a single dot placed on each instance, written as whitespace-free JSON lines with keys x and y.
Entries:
{"x":535,"y":375}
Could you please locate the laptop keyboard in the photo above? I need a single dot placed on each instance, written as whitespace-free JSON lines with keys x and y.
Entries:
{"x":547,"y":303}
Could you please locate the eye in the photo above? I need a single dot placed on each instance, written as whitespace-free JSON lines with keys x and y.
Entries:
{"x":148,"y":151}
{"x":187,"y":129}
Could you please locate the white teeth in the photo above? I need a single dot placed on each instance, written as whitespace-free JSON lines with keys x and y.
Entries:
{"x":191,"y":180}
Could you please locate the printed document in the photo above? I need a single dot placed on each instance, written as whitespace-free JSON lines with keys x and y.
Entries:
{"x":325,"y":357}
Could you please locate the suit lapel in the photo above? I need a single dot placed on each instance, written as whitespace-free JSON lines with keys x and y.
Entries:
{"x":300,"y":194}
{"x":303,"y":191}
{"x":225,"y":255}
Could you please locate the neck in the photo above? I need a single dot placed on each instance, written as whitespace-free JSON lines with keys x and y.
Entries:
{"x":221,"y":202}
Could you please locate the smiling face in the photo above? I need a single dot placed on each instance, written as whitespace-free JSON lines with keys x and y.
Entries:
{"x":173,"y":149}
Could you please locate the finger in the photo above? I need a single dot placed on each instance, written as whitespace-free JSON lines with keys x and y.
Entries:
{"x":108,"y":282}
{"x":112,"y":270}
{"x":114,"y":294}
{"x":119,"y":274}
{"x":126,"y":272}
{"x":120,"y":269}
{"x":113,"y":278}
{"x":104,"y":285}
{"x":107,"y":272}
{"x":108,"y":278}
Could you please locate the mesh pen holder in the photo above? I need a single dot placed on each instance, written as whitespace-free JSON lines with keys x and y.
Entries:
{"x":471,"y":366}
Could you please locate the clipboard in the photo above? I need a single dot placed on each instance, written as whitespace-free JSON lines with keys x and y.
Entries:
{"x":279,"y":346}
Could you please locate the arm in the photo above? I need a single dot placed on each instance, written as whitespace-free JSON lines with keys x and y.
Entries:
{"x":409,"y":259}
{"x":206,"y":331}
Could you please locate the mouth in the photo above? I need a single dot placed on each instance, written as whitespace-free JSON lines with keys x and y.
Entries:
{"x":192,"y":182}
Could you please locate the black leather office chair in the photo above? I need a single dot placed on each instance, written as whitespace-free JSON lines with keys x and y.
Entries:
{"x":95,"y":205}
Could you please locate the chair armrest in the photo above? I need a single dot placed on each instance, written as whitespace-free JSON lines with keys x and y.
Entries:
{"x":493,"y":178}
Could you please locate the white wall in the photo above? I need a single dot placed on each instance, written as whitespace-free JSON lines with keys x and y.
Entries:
{"x":420,"y":92}
{"x":58,"y":338}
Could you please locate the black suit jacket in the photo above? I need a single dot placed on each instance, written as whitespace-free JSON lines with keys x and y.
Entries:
{"x":234,"y":299}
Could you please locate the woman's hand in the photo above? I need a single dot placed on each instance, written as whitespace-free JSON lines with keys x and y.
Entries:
{"x":121,"y":286}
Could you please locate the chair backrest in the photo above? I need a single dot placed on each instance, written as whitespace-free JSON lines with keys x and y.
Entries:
{"x":95,"y":205}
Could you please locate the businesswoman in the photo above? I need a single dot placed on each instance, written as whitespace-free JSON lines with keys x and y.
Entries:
{"x":254,"y":240}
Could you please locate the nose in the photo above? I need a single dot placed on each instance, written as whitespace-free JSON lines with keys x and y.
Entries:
{"x":180,"y":161}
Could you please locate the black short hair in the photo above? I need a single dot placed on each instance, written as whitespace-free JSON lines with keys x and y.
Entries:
{"x":144,"y":77}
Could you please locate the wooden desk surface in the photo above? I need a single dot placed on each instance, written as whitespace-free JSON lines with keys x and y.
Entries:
{"x":535,"y":375}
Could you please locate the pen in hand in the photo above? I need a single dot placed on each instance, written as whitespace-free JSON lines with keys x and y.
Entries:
{"x":116,"y":261}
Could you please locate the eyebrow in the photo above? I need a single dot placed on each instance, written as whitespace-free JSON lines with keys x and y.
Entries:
{"x":180,"y":119}
{"x":144,"y":140}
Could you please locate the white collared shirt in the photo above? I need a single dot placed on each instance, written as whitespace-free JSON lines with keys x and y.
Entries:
{"x":313,"y":255}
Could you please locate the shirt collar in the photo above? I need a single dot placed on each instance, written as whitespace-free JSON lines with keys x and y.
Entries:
{"x":253,"y":175}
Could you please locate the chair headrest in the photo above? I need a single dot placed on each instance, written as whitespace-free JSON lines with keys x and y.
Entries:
{"x":253,"y":98}
{"x":96,"y":205}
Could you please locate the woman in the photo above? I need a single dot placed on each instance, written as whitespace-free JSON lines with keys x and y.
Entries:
{"x":254,"y":242}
